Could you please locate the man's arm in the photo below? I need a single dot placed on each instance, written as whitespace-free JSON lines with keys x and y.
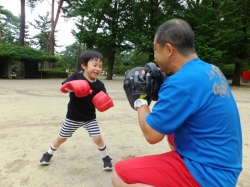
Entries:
{"x":151,"y":135}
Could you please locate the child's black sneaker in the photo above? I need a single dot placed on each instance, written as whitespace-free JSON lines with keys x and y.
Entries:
{"x":45,"y":160}
{"x":107,"y":165}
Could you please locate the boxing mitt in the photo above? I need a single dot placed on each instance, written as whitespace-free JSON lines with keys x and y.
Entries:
{"x":102,"y":101}
{"x":137,"y":85}
{"x":81,"y":88}
{"x":157,"y":79}
{"x":143,"y":83}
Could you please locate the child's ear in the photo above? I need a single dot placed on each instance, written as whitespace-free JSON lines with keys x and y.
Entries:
{"x":83,"y":66}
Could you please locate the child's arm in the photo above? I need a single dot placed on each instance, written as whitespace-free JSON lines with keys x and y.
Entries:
{"x":80,"y":87}
{"x":102,"y":101}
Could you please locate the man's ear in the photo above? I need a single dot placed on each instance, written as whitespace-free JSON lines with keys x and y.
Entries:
{"x":169,"y":48}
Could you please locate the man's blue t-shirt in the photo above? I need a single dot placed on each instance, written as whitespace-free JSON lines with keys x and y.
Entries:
{"x":196,"y":104}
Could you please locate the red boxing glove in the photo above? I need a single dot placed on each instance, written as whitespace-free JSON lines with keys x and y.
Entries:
{"x":80,"y":87}
{"x":102,"y":101}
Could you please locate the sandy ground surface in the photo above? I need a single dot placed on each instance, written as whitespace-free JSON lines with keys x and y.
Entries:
{"x":32,"y":112}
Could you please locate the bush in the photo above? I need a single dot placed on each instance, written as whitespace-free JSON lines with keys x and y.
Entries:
{"x":53,"y":73}
{"x":246,"y":66}
{"x":227,"y":70}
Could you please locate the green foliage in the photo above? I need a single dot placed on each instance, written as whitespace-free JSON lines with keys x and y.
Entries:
{"x":43,"y":24}
{"x":25,"y":53}
{"x":243,"y":45}
{"x":146,"y":17}
{"x":246,"y":66}
{"x":69,"y":56}
{"x":227,"y":70}
{"x":128,"y":60}
{"x":9,"y":27}
{"x":53,"y":73}
{"x":120,"y":70}
{"x":32,"y":3}
{"x":138,"y":58}
{"x":102,"y":26}
{"x":132,"y":58}
{"x":216,"y":28}
{"x":221,"y":27}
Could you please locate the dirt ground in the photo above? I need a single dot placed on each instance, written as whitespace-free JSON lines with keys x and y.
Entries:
{"x":32,"y":112}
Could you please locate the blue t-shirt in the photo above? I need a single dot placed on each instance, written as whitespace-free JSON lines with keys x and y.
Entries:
{"x":197,"y":105}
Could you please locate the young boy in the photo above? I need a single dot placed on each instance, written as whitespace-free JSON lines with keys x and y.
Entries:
{"x":86,"y":93}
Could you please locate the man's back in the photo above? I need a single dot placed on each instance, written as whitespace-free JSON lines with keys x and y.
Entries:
{"x":196,"y":104}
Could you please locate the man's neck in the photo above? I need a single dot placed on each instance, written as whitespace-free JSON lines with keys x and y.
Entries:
{"x":182,"y":60}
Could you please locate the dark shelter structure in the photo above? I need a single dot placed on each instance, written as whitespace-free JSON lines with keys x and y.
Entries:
{"x":29,"y":57}
{"x":6,"y":67}
{"x":6,"y":70}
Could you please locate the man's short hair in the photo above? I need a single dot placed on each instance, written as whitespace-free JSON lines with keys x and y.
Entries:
{"x":178,"y":33}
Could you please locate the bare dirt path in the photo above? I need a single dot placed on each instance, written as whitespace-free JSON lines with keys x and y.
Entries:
{"x":32,"y":112}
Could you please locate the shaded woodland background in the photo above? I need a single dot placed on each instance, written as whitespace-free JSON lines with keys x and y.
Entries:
{"x":123,"y":32}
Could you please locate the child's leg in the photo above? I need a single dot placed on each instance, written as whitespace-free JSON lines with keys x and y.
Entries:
{"x":101,"y":145}
{"x":68,"y":128}
{"x":56,"y":144}
{"x":94,"y":132}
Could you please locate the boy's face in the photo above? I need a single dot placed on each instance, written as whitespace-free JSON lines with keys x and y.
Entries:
{"x":93,"y":69}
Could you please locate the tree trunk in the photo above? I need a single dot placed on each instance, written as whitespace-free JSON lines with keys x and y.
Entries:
{"x":41,"y":70}
{"x":78,"y":57}
{"x":111,"y":66}
{"x":237,"y":75}
{"x":20,"y":70}
{"x":22,"y":25}
{"x":51,"y":36}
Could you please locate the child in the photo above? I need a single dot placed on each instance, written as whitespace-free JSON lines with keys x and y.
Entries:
{"x":86,"y":94}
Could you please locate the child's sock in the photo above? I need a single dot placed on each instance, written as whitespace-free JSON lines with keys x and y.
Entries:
{"x":103,"y":150}
{"x":52,"y":149}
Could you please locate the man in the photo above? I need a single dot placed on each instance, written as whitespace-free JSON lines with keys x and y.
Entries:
{"x":196,"y":108}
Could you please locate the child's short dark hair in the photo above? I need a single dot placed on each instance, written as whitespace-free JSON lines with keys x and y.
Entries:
{"x":90,"y":54}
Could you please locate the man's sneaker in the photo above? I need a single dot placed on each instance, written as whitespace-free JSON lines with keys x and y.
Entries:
{"x":45,"y":160}
{"x":107,"y":165}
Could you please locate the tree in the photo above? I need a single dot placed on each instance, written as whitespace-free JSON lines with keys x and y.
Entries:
{"x":116,"y":26}
{"x":243,"y":48}
{"x":33,"y":3}
{"x":69,"y":56}
{"x":147,"y":16}
{"x":102,"y":26}
{"x":132,"y":58}
{"x":9,"y":27}
{"x":217,"y":32}
{"x":43,"y":24}
{"x":50,"y":47}
{"x":20,"y":68}
{"x":113,"y":27}
{"x":51,"y":37}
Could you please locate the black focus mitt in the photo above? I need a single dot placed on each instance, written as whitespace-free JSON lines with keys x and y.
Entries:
{"x":143,"y":83}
